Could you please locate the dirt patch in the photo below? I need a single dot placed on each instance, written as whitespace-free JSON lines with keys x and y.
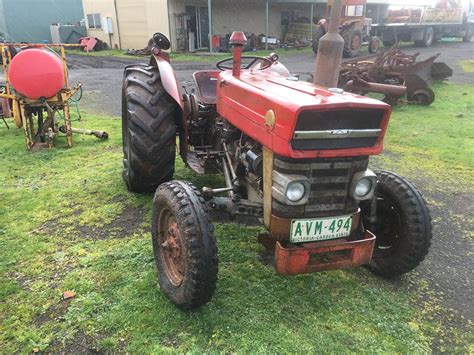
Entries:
{"x":53,"y":313}
{"x":80,"y":344}
{"x":124,"y":225}
{"x":170,"y":342}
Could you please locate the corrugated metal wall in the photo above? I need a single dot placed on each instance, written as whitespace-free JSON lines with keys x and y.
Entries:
{"x":29,"y":20}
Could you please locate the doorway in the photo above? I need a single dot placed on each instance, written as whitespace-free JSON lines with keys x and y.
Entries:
{"x":197,"y":23}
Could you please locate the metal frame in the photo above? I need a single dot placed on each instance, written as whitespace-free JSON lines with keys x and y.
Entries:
{"x":60,"y":102}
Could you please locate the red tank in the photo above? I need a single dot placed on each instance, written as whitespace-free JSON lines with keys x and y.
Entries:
{"x":37,"y":73}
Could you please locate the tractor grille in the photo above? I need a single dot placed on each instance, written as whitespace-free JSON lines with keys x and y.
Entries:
{"x":330,"y":183}
{"x":337,"y":129}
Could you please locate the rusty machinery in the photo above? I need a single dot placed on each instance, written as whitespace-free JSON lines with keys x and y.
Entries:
{"x":354,"y":28}
{"x":36,"y":91}
{"x":293,"y":155}
{"x":394,"y":73}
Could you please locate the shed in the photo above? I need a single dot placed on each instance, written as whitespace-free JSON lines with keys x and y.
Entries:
{"x":30,"y":20}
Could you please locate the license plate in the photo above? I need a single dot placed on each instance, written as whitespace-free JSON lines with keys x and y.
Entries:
{"x":310,"y":230}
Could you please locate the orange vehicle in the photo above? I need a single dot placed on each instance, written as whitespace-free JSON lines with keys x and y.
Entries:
{"x":354,"y":27}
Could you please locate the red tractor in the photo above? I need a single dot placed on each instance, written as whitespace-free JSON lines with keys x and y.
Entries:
{"x":294,"y":155}
{"x":354,"y":28}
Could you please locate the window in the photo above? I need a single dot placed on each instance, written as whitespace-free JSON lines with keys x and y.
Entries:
{"x":355,"y":10}
{"x":93,"y":21}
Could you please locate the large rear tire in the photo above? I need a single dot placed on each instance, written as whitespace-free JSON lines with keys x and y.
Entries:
{"x":184,"y":245}
{"x":403,"y":227}
{"x":317,"y":34}
{"x":148,"y":129}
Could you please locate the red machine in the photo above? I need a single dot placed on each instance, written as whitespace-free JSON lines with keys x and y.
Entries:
{"x":293,"y":154}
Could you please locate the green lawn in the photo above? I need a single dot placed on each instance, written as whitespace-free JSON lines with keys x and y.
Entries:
{"x":67,"y":222}
{"x":468,"y":65}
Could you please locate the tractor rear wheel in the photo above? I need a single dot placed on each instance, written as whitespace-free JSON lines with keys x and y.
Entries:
{"x":352,"y":42}
{"x":148,"y":129}
{"x":317,"y":34}
{"x":403,"y":226}
{"x":184,"y":245}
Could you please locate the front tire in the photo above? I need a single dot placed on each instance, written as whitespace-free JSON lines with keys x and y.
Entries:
{"x":184,"y":245}
{"x":148,"y":129}
{"x":403,"y":226}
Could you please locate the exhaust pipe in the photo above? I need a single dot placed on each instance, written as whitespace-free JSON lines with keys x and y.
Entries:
{"x":330,"y":48}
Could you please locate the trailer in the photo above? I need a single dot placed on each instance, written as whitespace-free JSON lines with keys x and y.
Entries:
{"x":425,"y":26}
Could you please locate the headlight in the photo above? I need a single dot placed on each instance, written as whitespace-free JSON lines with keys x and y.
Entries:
{"x":295,"y":191}
{"x":290,"y":189}
{"x":363,"y":187}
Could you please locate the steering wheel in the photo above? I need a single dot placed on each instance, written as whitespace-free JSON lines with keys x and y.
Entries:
{"x":265,"y":64}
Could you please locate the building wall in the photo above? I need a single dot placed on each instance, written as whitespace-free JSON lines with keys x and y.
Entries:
{"x":243,"y":15}
{"x":29,"y":20}
{"x":137,"y":20}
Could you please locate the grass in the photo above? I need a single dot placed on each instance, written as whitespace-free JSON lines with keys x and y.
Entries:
{"x":467,"y":65}
{"x":68,"y":223}
{"x":194,"y":57}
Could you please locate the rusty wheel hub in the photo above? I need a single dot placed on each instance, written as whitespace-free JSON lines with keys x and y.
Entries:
{"x":171,"y":250}
{"x":355,"y":42}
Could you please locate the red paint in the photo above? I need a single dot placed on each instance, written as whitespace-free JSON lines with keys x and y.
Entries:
{"x":37,"y":73}
{"x":333,"y":254}
{"x":238,"y":39}
{"x":324,"y":24}
{"x":168,"y":77}
{"x":245,"y":100}
{"x":89,"y":43}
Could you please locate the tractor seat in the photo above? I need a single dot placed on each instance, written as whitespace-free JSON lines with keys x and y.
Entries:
{"x":206,"y":84}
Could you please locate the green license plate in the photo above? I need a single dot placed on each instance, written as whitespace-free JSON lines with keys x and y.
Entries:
{"x":310,"y":230}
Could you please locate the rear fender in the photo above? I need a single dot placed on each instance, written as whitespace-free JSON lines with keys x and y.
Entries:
{"x":324,"y":24}
{"x":168,"y":78}
{"x":170,"y":84}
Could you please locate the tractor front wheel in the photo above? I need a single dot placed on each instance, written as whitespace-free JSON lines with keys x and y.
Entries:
{"x":184,"y":245}
{"x":374,"y":45}
{"x":402,"y":227}
{"x":148,"y":129}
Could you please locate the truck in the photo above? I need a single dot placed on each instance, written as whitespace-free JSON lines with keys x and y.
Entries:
{"x":426,"y":25}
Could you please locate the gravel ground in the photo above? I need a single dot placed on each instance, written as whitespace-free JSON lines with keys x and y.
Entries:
{"x":447,"y":269}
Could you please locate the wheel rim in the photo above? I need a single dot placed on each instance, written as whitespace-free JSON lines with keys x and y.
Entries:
{"x":429,"y":37}
{"x":387,"y":228}
{"x":375,"y":45}
{"x":355,"y":42}
{"x":171,"y":251}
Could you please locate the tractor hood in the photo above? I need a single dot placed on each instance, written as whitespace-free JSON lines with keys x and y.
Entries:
{"x":299,"y":119}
